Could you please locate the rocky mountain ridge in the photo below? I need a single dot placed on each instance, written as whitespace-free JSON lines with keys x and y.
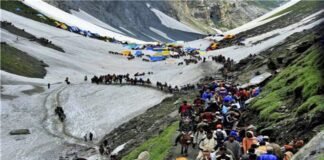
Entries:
{"x":137,"y":19}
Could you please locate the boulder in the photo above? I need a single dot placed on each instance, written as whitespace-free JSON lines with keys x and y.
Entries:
{"x":145,"y":155}
{"x":19,"y":132}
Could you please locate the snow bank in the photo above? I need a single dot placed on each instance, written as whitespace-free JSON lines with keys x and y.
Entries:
{"x":262,"y":19}
{"x":172,"y":23}
{"x":71,"y":20}
{"x":87,"y":56}
{"x":274,"y":37}
{"x":27,"y":112}
{"x":89,"y":18}
{"x":160,"y":33}
{"x":101,"y":108}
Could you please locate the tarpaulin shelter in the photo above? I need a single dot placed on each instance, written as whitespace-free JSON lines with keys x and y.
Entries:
{"x":126,"y":53}
{"x":157,"y":58}
{"x":138,"y":53}
{"x":229,"y":36}
{"x":190,"y":49}
{"x":213,"y":45}
{"x":74,"y":29}
{"x":165,"y":53}
{"x":61,"y":25}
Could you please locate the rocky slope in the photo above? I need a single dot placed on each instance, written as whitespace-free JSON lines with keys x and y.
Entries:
{"x":291,"y":103}
{"x":136,"y":18}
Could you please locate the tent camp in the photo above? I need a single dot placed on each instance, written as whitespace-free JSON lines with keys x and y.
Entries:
{"x":126,"y":53}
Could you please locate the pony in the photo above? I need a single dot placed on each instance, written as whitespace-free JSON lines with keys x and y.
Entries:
{"x":185,"y":141}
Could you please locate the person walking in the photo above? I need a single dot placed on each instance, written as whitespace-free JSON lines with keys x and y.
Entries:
{"x":234,"y":146}
{"x":90,"y":136}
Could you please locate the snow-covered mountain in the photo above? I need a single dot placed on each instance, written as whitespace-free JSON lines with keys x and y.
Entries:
{"x":166,"y":20}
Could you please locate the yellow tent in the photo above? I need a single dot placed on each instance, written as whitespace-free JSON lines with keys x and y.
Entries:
{"x":60,"y":25}
{"x":126,"y":53}
{"x":158,"y":54}
{"x":63,"y":26}
{"x":229,"y":36}
{"x":165,"y":53}
{"x":214,"y":45}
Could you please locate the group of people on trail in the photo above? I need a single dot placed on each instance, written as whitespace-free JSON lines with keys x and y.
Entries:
{"x":126,"y":79}
{"x":86,"y":137}
{"x":119,"y":78}
{"x":212,"y":121}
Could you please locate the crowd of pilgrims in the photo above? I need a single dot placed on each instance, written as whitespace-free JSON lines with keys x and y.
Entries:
{"x":211,"y":123}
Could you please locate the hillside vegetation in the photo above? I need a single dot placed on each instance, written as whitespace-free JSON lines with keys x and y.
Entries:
{"x":18,"y":62}
{"x":293,"y":101}
{"x":21,"y":9}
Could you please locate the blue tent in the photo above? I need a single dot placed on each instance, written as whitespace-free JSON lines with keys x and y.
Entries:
{"x":149,"y":48}
{"x":190,"y":49}
{"x":157,"y":58}
{"x":138,"y":53}
{"x":73,"y":29}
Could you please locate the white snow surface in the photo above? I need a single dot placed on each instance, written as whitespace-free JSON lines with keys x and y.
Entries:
{"x":266,"y":40}
{"x":83,"y":56}
{"x":71,"y":20}
{"x":86,"y":56}
{"x":262,"y":19}
{"x":87,"y":17}
{"x":118,"y":149}
{"x":162,"y":34}
{"x":26,"y":112}
{"x":101,"y":108}
{"x":172,"y":23}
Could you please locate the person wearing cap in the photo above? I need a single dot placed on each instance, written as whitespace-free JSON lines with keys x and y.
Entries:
{"x":198,"y":105}
{"x":266,"y":139}
{"x":262,"y":148}
{"x":207,"y":144}
{"x":220,"y":135}
{"x":233,"y":145}
{"x":218,"y":117}
{"x":269,"y":155}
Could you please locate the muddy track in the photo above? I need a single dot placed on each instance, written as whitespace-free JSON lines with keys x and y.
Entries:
{"x":53,"y":125}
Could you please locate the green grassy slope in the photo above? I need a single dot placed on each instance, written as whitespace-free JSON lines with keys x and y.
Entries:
{"x":302,"y":7}
{"x":25,"y":11}
{"x":158,"y":147}
{"x":18,"y":62}
{"x":302,"y":82}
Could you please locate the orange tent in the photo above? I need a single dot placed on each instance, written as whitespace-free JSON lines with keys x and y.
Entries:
{"x":229,"y":36}
{"x":213,"y":46}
